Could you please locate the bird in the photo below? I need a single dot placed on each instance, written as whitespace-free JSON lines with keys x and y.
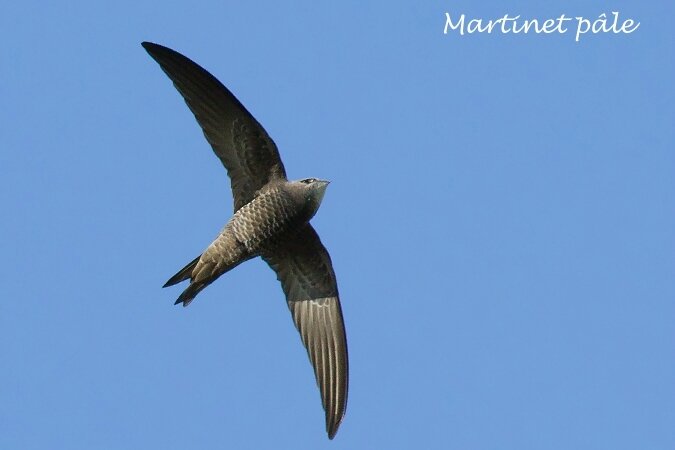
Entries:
{"x":271,"y":220}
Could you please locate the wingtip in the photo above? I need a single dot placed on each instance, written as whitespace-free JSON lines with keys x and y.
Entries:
{"x":333,"y":423}
{"x":332,"y":428}
{"x":152,"y":48}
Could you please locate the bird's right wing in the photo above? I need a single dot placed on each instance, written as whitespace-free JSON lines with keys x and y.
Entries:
{"x":306,"y":273}
{"x":240,"y":142}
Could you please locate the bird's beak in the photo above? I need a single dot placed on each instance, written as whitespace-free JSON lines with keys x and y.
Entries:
{"x":323,"y":185}
{"x":321,"y":188}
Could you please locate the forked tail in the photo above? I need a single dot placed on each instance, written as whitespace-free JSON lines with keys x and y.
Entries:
{"x":190,"y":292}
{"x":183,"y":274}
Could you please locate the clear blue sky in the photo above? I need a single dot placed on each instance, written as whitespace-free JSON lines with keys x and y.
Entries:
{"x":501,"y":220}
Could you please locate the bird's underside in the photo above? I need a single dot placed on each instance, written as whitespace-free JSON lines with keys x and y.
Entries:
{"x":271,"y":220}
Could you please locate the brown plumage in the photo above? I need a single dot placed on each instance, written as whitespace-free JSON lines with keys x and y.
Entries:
{"x":271,"y":220}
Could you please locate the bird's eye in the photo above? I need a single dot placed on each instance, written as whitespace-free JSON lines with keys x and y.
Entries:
{"x":308,"y":180}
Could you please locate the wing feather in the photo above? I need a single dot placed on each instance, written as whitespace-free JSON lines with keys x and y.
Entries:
{"x":243,"y":146}
{"x":306,"y":273}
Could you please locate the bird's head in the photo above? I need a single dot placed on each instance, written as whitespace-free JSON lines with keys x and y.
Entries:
{"x":312,"y":190}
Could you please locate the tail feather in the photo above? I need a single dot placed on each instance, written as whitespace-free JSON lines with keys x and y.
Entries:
{"x":189,"y":293}
{"x":183,"y":274}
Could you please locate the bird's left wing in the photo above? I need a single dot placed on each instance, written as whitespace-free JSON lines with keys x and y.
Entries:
{"x":240,"y":142}
{"x":306,"y":273}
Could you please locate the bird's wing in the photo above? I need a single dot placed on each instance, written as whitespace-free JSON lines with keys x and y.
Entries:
{"x":306,"y":273}
{"x":242,"y":144}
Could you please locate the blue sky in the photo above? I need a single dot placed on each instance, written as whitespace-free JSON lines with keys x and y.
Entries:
{"x":500,"y":219}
